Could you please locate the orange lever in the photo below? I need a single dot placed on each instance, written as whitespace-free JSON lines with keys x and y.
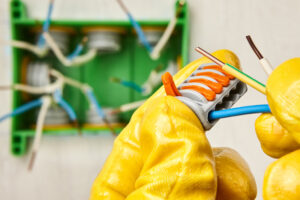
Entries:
{"x":169,"y":85}
{"x":224,"y":80}
{"x":208,"y":94}
{"x":219,"y":68}
{"x":216,"y":87}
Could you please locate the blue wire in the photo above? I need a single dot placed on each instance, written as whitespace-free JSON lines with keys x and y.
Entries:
{"x":65,"y":105}
{"x":140,"y":33}
{"x":93,"y":100}
{"x":46,"y":25}
{"x":22,"y":109}
{"x":239,"y":111}
{"x":76,"y":52}
{"x":132,"y":85}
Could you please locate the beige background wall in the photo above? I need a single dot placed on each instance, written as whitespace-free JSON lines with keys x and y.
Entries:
{"x":66,"y":166}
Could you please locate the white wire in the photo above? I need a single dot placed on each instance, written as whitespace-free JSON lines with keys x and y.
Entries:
{"x":131,"y":106}
{"x":40,"y":90}
{"x":266,"y":65}
{"x":154,"y":78}
{"x":65,"y":61}
{"x":41,"y":52}
{"x":164,"y":39}
{"x":82,"y":86}
{"x":39,"y":128}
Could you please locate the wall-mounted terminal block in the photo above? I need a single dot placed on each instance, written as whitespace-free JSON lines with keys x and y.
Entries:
{"x":104,"y":39}
{"x":61,"y":36}
{"x":209,"y":88}
{"x":37,"y":74}
{"x":56,"y":117}
{"x":152,"y":34}
{"x":92,"y":117}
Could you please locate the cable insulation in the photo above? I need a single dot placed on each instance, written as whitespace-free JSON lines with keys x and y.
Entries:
{"x":22,"y":109}
{"x":264,"y":108}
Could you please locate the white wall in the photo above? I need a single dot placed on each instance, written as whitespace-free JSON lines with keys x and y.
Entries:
{"x":66,"y":166}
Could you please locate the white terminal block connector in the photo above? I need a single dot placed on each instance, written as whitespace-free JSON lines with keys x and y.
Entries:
{"x":200,"y":105}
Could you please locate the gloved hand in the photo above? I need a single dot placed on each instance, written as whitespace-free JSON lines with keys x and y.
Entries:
{"x":282,"y":178}
{"x":163,"y":152}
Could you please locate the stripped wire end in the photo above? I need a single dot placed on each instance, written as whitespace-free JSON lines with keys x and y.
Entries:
{"x":263,"y":61}
{"x":179,"y":8}
{"x":158,"y":68}
{"x":254,"y":48}
{"x":115,"y":80}
{"x":209,"y":56}
{"x":31,"y":161}
{"x":84,"y":40}
{"x":122,"y":5}
{"x":115,"y":111}
{"x":109,"y":126}
{"x":6,"y":87}
{"x":128,"y":84}
{"x":76,"y":125}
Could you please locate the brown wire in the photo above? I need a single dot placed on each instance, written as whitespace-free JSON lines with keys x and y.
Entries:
{"x":6,"y":87}
{"x":254,"y":48}
{"x":122,"y":5}
{"x":209,"y":56}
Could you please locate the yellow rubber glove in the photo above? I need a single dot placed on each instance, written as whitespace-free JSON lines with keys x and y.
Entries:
{"x":235,"y":180}
{"x":282,"y":178}
{"x":163,"y":152}
{"x":283,"y":94}
{"x":275,"y":140}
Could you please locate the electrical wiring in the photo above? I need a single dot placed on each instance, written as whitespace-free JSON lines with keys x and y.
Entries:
{"x":128,"y":107}
{"x":235,"y":72}
{"x":46,"y":102}
{"x":239,"y":111}
{"x":65,"y":61}
{"x":78,"y":49}
{"x":263,"y":61}
{"x":46,"y":25}
{"x":25,"y":107}
{"x":154,"y":79}
{"x":137,"y":27}
{"x":65,"y":105}
{"x":155,"y":54}
{"x":39,"y":90}
{"x":99,"y":110}
{"x":40,"y":52}
{"x":67,"y":80}
{"x":129,"y":84}
{"x":88,"y":92}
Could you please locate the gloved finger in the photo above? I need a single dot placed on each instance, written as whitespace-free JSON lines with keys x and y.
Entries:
{"x":275,"y":140}
{"x":283,"y":94}
{"x":235,"y":180}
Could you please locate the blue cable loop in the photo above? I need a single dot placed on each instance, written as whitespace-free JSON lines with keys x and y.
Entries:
{"x":93,"y":100}
{"x":65,"y":105}
{"x":132,"y":85}
{"x":46,"y":25}
{"x":28,"y":106}
{"x":140,"y":33}
{"x":76,"y":52}
{"x":264,"y":108}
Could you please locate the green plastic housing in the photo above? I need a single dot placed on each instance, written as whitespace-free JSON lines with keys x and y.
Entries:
{"x":132,"y":63}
